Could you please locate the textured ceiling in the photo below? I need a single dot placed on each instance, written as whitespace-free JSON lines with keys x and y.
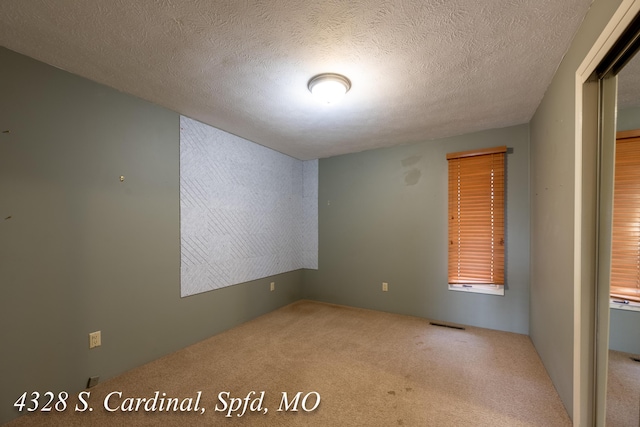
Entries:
{"x":629,"y":84}
{"x":420,"y":69}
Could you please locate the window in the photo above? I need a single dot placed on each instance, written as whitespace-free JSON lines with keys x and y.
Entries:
{"x":476,"y":220}
{"x":625,"y":252}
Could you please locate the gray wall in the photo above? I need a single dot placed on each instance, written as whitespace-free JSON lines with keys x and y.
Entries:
{"x":628,"y":119}
{"x":82,"y":251}
{"x":552,"y":209}
{"x":383,"y":218}
{"x":624,"y":333}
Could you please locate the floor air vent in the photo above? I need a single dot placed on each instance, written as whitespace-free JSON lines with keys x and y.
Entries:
{"x":446,"y":326}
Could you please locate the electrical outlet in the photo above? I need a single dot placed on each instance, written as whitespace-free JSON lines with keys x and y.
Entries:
{"x":385,"y":287}
{"x":273,"y":286}
{"x":95,"y":340}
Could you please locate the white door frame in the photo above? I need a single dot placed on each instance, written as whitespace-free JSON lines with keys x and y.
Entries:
{"x":584,"y":336}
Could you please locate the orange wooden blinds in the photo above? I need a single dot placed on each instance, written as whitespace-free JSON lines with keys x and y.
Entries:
{"x":476,"y":216}
{"x":625,"y":251}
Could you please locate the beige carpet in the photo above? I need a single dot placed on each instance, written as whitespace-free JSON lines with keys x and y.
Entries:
{"x":623,"y":390}
{"x":369,"y":368}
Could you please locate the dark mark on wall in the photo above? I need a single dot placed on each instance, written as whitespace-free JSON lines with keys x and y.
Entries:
{"x":9,"y":217}
{"x":410,"y":161}
{"x":412,"y":177}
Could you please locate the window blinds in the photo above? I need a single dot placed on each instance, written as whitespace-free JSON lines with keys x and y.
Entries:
{"x":476,"y":216}
{"x":625,"y":253}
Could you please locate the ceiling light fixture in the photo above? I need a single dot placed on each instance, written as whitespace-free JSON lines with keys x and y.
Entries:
{"x":329,"y":88}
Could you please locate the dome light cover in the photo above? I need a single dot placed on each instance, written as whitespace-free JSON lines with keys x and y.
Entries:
{"x":329,"y":88}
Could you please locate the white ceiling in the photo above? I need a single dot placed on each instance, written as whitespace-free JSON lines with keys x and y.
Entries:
{"x":420,"y":69}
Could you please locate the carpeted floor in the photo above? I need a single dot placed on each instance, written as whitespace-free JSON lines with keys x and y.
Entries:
{"x":369,"y":369}
{"x":623,"y":390}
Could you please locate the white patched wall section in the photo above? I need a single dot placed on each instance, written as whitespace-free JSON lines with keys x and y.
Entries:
{"x":246,"y":211}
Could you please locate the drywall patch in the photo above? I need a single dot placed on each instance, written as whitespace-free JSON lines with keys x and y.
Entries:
{"x":412,"y":177}
{"x":246,"y":211}
{"x":411,"y":161}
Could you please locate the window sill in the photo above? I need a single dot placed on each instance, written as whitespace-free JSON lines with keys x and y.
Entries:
{"x":629,"y":305}
{"x":479,"y":289}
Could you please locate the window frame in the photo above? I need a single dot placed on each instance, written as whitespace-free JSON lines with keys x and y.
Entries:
{"x":454,"y":203}
{"x":626,"y":167}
